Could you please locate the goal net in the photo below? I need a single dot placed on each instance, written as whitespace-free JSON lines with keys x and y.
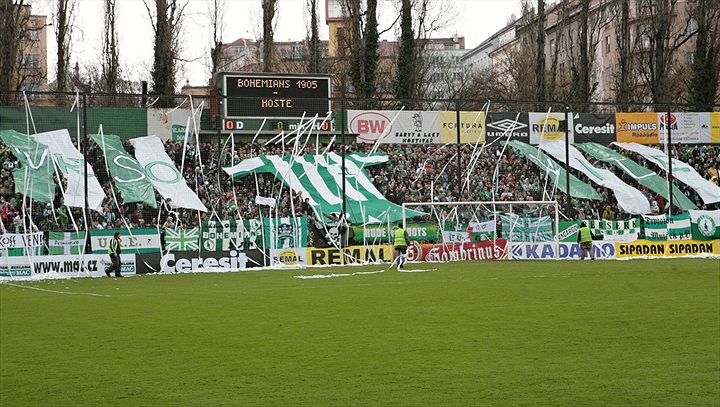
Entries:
{"x":481,"y":230}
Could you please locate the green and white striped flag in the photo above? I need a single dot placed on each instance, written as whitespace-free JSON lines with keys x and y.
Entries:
{"x":319,"y":178}
{"x":616,"y":230}
{"x":178,"y":240}
{"x":66,"y":242}
{"x":679,"y":227}
{"x":655,"y":227}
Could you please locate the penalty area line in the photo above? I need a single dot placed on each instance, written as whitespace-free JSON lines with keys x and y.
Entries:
{"x":55,"y":291}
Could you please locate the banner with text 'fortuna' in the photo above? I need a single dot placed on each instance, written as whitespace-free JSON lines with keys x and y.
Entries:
{"x":284,"y":233}
{"x":517,"y":229}
{"x":231,"y":235}
{"x":73,"y":165}
{"x":66,"y":242}
{"x":165,"y":177}
{"x":180,"y":240}
{"x":34,"y":178}
{"x":129,"y":176}
{"x":319,"y":178}
{"x":705,"y":224}
{"x":667,"y":227}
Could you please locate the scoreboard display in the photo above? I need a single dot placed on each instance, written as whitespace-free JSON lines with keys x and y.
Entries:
{"x":275,"y":96}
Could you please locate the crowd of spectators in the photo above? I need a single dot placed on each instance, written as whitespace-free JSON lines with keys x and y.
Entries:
{"x":413,"y":173}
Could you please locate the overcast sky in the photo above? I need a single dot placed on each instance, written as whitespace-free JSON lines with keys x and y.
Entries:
{"x":475,"y":20}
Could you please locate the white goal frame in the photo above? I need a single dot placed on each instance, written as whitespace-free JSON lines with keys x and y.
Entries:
{"x":504,"y":204}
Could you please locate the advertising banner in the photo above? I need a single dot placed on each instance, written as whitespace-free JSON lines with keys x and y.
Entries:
{"x":715,"y":127}
{"x":472,"y":127}
{"x":140,"y":241}
{"x":641,"y":128}
{"x":545,"y":127}
{"x":288,"y":257}
{"x":686,"y":128}
{"x":395,"y":126}
{"x":648,"y":248}
{"x":20,"y":240}
{"x":88,"y":265}
{"x":594,"y":127}
{"x":349,"y":255}
{"x":487,"y":250}
{"x":502,"y":125}
{"x":175,"y":262}
{"x":563,"y":250}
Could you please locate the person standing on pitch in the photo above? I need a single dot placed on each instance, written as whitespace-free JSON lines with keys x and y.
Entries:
{"x":400,"y":240}
{"x":585,"y":238}
{"x":114,"y":252}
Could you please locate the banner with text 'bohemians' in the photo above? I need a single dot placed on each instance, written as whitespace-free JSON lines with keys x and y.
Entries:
{"x":705,"y":224}
{"x":129,"y":176}
{"x":395,"y":126}
{"x":231,"y":235}
{"x":66,"y":242}
{"x":165,"y":177}
{"x":472,"y":127}
{"x":34,"y":178}
{"x":72,"y":163}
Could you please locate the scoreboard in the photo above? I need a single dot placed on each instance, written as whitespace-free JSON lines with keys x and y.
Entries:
{"x":275,"y":96}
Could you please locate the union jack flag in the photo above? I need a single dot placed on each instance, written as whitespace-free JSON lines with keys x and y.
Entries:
{"x":178,"y":240}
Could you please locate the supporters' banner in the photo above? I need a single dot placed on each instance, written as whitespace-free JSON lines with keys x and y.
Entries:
{"x":86,"y":265}
{"x":705,"y":224}
{"x":180,"y":240}
{"x":637,"y":128}
{"x":501,"y":125}
{"x":562,"y":250}
{"x":487,"y":250}
{"x":72,"y":163}
{"x":596,"y":127}
{"x":132,"y":241}
{"x":319,"y":178}
{"x":556,"y":172}
{"x":642,"y":175}
{"x":21,"y":240}
{"x":667,"y":227}
{"x":231,"y":235}
{"x":66,"y":242}
{"x":381,"y":233}
{"x":629,"y":198}
{"x":520,"y":229}
{"x":615,"y":230}
{"x":545,"y":127}
{"x":34,"y":178}
{"x":284,"y":233}
{"x":568,"y":230}
{"x":686,"y":128}
{"x":454,"y":232}
{"x":472,"y":127}
{"x":128,"y":174}
{"x":648,"y":248}
{"x":686,"y":174}
{"x":163,"y":174}
{"x":349,"y":255}
{"x":395,"y":126}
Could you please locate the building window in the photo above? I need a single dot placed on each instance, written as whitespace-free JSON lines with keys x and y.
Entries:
{"x":690,"y":56}
{"x":552,"y":47}
{"x":29,"y":61}
{"x":692,"y":27}
{"x":607,"y":44}
{"x":239,"y":50}
{"x":34,"y":34}
{"x":30,"y":87}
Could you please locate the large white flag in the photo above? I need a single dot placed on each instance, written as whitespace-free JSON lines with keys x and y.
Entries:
{"x":684,"y":173}
{"x":165,"y":177}
{"x":629,"y":199}
{"x":71,"y":163}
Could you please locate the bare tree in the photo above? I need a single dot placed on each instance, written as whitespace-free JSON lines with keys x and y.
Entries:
{"x":167,"y":22}
{"x":702,"y":81}
{"x":216,"y":15}
{"x":64,"y":24}
{"x":540,"y":55}
{"x":625,"y":66}
{"x":313,"y":46}
{"x":110,"y":79}
{"x":17,"y":30}
{"x":406,"y":80}
{"x":269,"y":8}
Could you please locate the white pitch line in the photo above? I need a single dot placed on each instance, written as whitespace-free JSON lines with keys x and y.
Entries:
{"x":56,"y":292}
{"x":416,"y":271}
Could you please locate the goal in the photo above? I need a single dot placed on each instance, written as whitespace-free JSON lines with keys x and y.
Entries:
{"x":496,"y":228}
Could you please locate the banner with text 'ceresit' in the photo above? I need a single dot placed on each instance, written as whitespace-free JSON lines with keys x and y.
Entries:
{"x":472,"y":127}
{"x":395,"y":126}
{"x":349,"y":255}
{"x":487,"y":250}
{"x":647,"y":248}
{"x":641,"y":128}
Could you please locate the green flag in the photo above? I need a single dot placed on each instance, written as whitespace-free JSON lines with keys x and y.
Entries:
{"x":66,"y":242}
{"x":129,"y":176}
{"x":35,"y":176}
{"x":178,"y":240}
{"x":283,"y":233}
{"x":705,"y":224}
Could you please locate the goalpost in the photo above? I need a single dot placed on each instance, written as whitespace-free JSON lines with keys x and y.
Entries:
{"x":514,"y":222}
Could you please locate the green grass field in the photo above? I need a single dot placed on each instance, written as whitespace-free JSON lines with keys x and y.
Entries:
{"x":565,"y":333}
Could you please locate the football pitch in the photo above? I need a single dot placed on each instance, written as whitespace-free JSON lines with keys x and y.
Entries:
{"x":566,"y":333}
